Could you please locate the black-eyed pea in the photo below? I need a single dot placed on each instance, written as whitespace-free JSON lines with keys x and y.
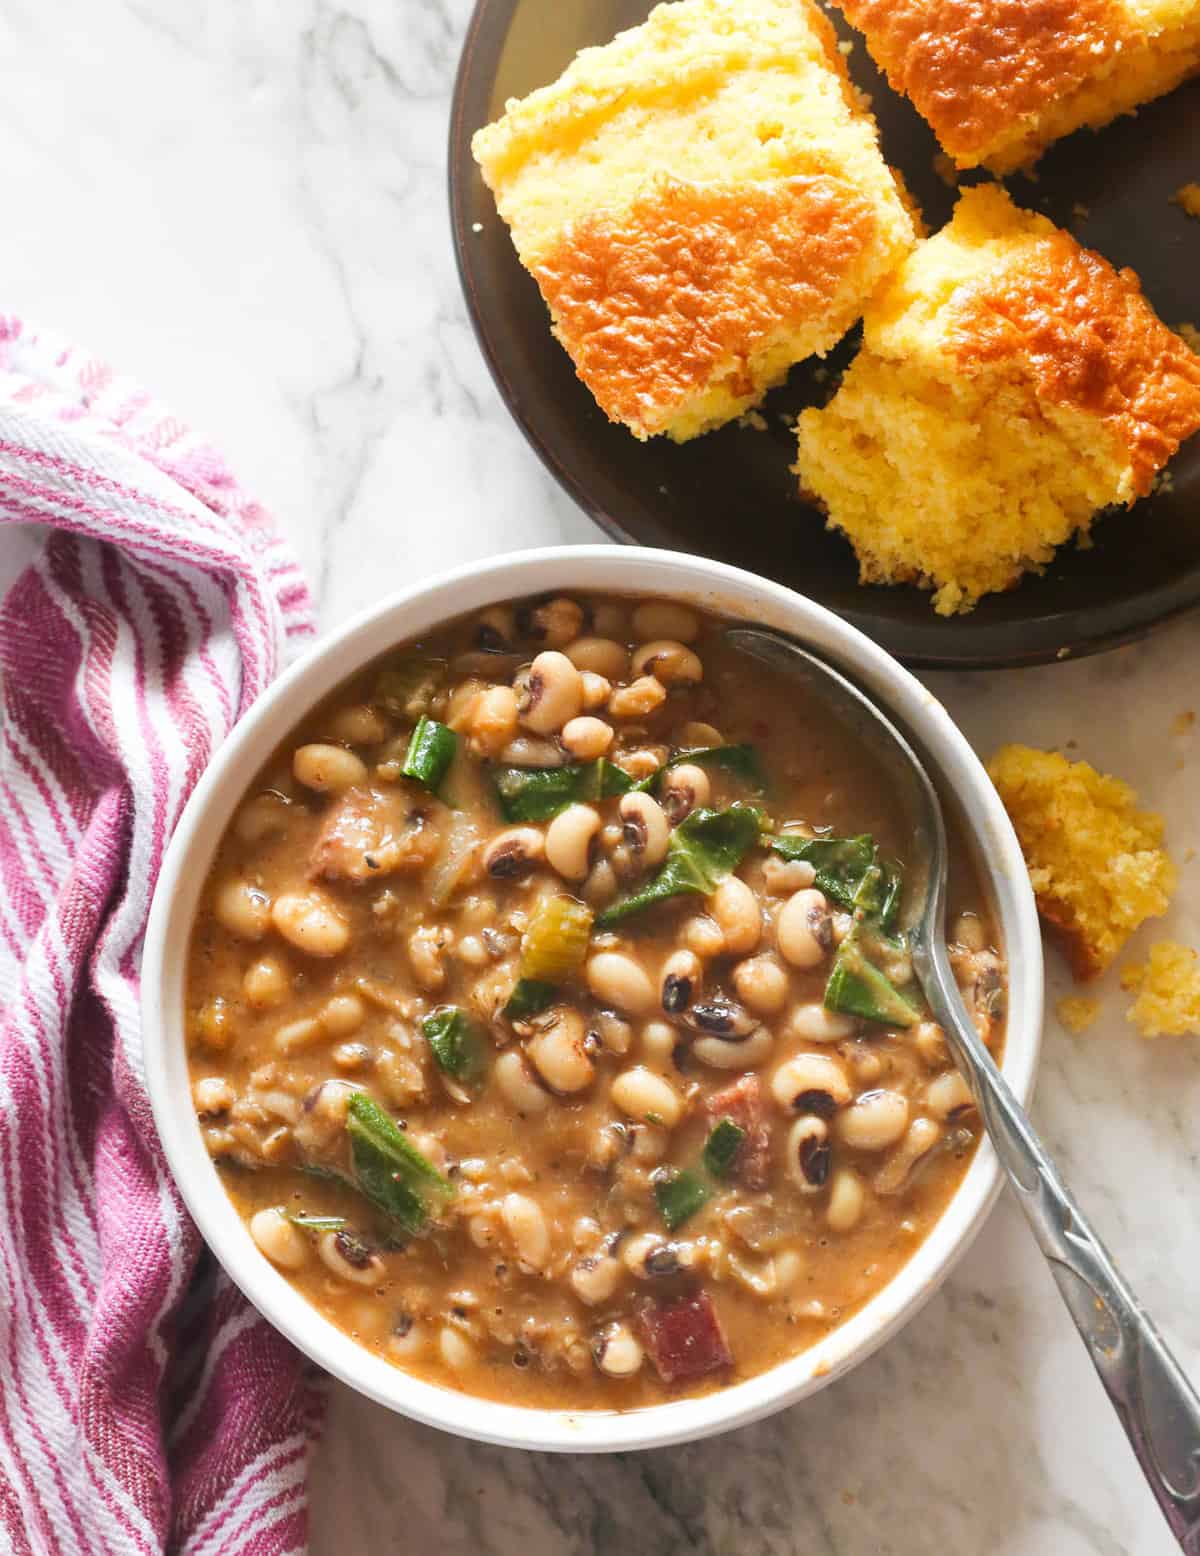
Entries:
{"x":789,"y":1267}
{"x":919,"y":1139}
{"x":359,"y":725}
{"x":212,"y":1096}
{"x":875,"y":1121}
{"x":531,"y":751}
{"x":514,"y":853}
{"x":265,"y":983}
{"x":556,"y":622}
{"x":735,"y":908}
{"x":670,"y":661}
{"x":684,"y":789}
{"x":808,"y":1154}
{"x":761,"y":985}
{"x":696,"y":734}
{"x":847,"y":1200}
{"x":664,"y":619}
{"x":311,"y":922}
{"x":868,"y":1065}
{"x":587,"y":738}
{"x":649,"y":1144}
{"x":617,"y":1351}
{"x":328,"y":769}
{"x":496,"y":629}
{"x":595,"y":1278}
{"x":472,"y":951}
{"x":646,"y":1097}
{"x":783,"y":877}
{"x":601,"y":885}
{"x":803,"y":928}
{"x":350,"y":1057}
{"x":517,"y":1084}
{"x":930,"y":1042}
{"x":368,"y":1321}
{"x":526,"y":1225}
{"x":597,"y":689}
{"x":214,"y":1024}
{"x":600,"y":656}
{"x":637,"y":700}
{"x":948,"y":1097}
{"x":349,"y":1258}
{"x":680,"y":981}
{"x":810,"y":1022}
{"x":294,"y":1036}
{"x":427,"y":946}
{"x":615,"y":979}
{"x":811,"y":1083}
{"x":659,"y":1040}
{"x":569,"y":841}
{"x":266,"y":815}
{"x":734,"y":1052}
{"x":455,"y":1349}
{"x":459,"y":711}
{"x":552,"y":694}
{"x":558,"y":1053}
{"x":969,"y":931}
{"x":645,"y":829}
{"x":244,"y":910}
{"x":493,"y":721}
{"x":649,"y":1256}
{"x":703,"y":936}
{"x":408,"y":1341}
{"x":282,"y":1242}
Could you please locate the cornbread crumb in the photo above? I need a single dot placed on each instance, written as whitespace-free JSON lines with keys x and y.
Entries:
{"x":1187,"y":196}
{"x":999,"y":80}
{"x":703,"y":202}
{"x":1168,"y":1004}
{"x":1010,"y":385}
{"x":1133,"y":975}
{"x":1076,"y":1012}
{"x":1095,"y":861}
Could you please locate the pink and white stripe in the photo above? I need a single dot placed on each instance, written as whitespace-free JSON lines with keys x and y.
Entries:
{"x":144,"y":1407}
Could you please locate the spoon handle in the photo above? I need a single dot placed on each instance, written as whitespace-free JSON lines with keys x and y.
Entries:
{"x":1156,"y":1404}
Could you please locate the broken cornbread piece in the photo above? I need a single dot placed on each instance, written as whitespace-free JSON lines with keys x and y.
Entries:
{"x":702,"y":202}
{"x":1187,"y":197}
{"x":999,"y":80}
{"x":1077,"y":1013}
{"x":1010,"y":385}
{"x":1168,"y":1002}
{"x":1095,"y":861}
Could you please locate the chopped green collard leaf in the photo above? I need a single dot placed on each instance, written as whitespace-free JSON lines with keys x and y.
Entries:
{"x":316,"y":1223}
{"x":431,"y":748}
{"x":680,"y":1196}
{"x":390,"y":1171}
{"x":703,"y":851}
{"x":856,"y":987}
{"x":528,"y":997}
{"x":740,"y":761}
{"x":722,"y":1146}
{"x":840,"y":862}
{"x":456,"y":1044}
{"x":540,"y":793}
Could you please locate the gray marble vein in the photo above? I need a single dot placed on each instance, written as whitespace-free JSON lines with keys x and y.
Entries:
{"x":242,"y":203}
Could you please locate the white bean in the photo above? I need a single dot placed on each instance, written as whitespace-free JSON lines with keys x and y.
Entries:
{"x":875,"y":1121}
{"x":569,"y":840}
{"x":526,"y":1225}
{"x":664,"y":619}
{"x":616,"y":979}
{"x":587,"y":738}
{"x":847,"y":1196}
{"x":812,"y":1023}
{"x":265,"y":983}
{"x":647,"y":1097}
{"x":455,"y":1349}
{"x":658,"y":1040}
{"x":597,"y":689}
{"x":949,"y":1096}
{"x":736,"y":910}
{"x":517,"y":1085}
{"x":242,"y":909}
{"x":761,"y":984}
{"x":282,"y":1242}
{"x":328,"y":769}
{"x":310,"y":921}
{"x":803,"y":930}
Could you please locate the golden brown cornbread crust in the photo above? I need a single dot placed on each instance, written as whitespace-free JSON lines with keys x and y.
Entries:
{"x":650,"y":301}
{"x":974,"y":68}
{"x":1092,"y":343}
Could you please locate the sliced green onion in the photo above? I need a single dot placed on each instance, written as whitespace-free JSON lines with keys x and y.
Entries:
{"x":722,"y":1146}
{"x":456,"y":1044}
{"x":681,"y":1196}
{"x":431,"y":748}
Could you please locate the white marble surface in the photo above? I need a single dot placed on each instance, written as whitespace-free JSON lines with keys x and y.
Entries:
{"x":242,"y":202}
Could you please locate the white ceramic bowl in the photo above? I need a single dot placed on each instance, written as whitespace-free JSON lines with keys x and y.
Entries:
{"x":594,"y":569}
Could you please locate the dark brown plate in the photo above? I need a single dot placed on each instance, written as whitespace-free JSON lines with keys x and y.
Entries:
{"x":731,"y":495}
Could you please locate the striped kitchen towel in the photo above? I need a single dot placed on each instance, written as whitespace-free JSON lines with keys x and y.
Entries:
{"x":144,"y":1406}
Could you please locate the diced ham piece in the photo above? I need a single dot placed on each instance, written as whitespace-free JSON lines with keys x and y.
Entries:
{"x":743,"y":1103}
{"x":683,"y":1338}
{"x":369,"y":832}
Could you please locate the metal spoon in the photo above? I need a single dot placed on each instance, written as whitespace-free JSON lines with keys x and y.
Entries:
{"x":1156,"y":1404}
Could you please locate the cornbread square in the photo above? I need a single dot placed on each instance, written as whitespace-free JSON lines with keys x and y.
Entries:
{"x":1095,"y":861}
{"x":1010,"y":385}
{"x":1168,"y":1002}
{"x":703,"y":203}
{"x":999,"y":80}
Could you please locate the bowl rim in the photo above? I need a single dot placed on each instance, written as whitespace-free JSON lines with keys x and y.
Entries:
{"x":593,"y":568}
